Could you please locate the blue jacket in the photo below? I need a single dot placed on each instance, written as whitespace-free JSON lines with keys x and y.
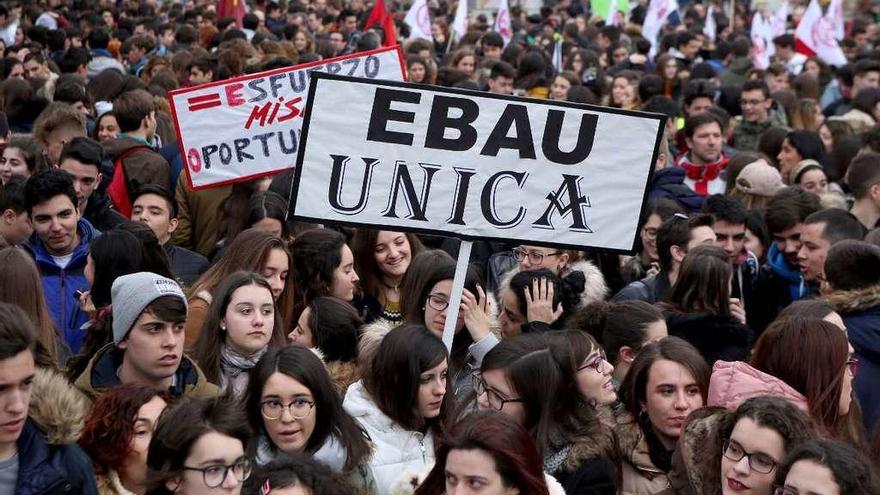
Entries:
{"x":46,"y":469}
{"x":669,"y":183}
{"x":860,"y":309}
{"x":61,"y":285}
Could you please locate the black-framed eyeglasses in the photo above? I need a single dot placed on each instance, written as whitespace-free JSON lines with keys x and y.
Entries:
{"x":535,"y":257}
{"x":758,"y":462}
{"x":438,"y":301}
{"x":299,"y":408}
{"x":214,"y":476}
{"x":595,"y":363}
{"x":496,"y":402}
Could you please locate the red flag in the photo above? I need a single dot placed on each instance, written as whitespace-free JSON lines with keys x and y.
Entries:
{"x":231,"y":8}
{"x":379,"y":15}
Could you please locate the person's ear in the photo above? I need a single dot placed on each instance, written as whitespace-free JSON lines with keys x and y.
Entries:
{"x":626,"y":354}
{"x":98,"y":179}
{"x":9,"y":216}
{"x":678,"y":253}
{"x":173,"y":484}
{"x":874,"y":191}
{"x":172,"y":225}
{"x":563,"y":260}
{"x":123,"y":344}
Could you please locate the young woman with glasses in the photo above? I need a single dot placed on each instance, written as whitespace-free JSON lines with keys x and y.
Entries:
{"x":826,"y":467}
{"x":576,"y":446}
{"x":198,"y":448}
{"x":667,"y":381}
{"x":293,"y":407}
{"x":402,"y":402}
{"x":581,"y":274}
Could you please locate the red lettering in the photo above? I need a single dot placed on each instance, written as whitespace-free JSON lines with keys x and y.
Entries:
{"x":233,"y":98}
{"x":291,"y":107}
{"x":260,"y":113}
{"x":274,"y":113}
{"x":194,"y":160}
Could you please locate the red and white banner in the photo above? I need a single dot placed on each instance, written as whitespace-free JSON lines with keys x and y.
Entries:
{"x":815,"y":36}
{"x":658,"y":12}
{"x":247,"y":127}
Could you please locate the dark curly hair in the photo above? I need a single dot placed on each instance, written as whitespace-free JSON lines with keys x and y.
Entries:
{"x":298,"y":469}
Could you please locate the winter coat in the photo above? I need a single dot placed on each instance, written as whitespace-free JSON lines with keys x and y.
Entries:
{"x":746,"y":135}
{"x":589,"y":467}
{"x":100,"y":374}
{"x":110,"y":484}
{"x":669,"y":183}
{"x":343,"y":374}
{"x":395,"y":450}
{"x":858,"y":120}
{"x":60,"y":285}
{"x":860,"y":310}
{"x":100,"y":213}
{"x":199,"y":214}
{"x":187,"y":266}
{"x":50,"y":462}
{"x":595,"y":288}
{"x":331,"y":454}
{"x":696,"y":463}
{"x":196,"y":312}
{"x":651,"y":289}
{"x":733,"y":383}
{"x":101,"y":61}
{"x":141,"y":167}
{"x":778,"y":285}
{"x":639,"y":474}
{"x":735,"y":75}
{"x":715,"y":336}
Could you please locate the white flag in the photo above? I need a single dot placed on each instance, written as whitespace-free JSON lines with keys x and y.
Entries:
{"x":557,"y":56}
{"x":834,"y":16}
{"x":460,"y":22}
{"x":419,"y":20}
{"x":658,"y":12}
{"x":710,"y":29}
{"x":762,"y":41}
{"x":612,"y":14}
{"x":815,"y":37}
{"x":780,"y":19}
{"x":502,"y":22}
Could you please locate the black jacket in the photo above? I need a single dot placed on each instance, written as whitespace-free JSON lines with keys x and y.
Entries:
{"x":717,"y":337}
{"x":101,"y":214}
{"x":651,"y":289}
{"x":187,"y":266}
{"x":46,"y":469}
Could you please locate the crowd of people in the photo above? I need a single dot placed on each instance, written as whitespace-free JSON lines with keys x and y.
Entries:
{"x":157,"y":339}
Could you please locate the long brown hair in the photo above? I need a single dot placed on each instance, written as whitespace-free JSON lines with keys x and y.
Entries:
{"x":817,"y":372}
{"x":363,"y":246}
{"x":704,"y":282}
{"x":20,"y":284}
{"x":211,"y":339}
{"x":249,"y":252}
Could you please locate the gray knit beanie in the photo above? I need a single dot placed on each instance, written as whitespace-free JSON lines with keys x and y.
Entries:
{"x":132,"y":293}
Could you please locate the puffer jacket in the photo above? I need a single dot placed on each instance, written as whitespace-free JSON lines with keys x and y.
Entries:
{"x":696,"y":463}
{"x":50,"y":462}
{"x":733,"y":383}
{"x":395,"y":450}
{"x":639,"y":475}
{"x":860,"y":310}
{"x":61,"y":285}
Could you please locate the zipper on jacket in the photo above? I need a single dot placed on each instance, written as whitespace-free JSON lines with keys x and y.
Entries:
{"x":422,"y":447}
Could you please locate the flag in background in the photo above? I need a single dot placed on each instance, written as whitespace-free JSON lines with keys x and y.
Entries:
{"x":231,"y":8}
{"x":710,"y":29}
{"x":419,"y":20}
{"x":379,"y":15}
{"x":834,"y":16}
{"x":604,"y":8}
{"x":502,"y":24}
{"x":557,"y":56}
{"x":459,"y":23}
{"x":659,"y":12}
{"x":815,"y":37}
{"x":762,"y":41}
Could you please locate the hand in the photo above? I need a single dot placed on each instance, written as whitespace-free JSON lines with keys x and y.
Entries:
{"x":539,"y":302}
{"x":473,"y":310}
{"x":737,"y":310}
{"x":85,"y":302}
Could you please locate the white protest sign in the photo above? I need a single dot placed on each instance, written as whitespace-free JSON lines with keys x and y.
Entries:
{"x":473,"y":165}
{"x":249,"y":126}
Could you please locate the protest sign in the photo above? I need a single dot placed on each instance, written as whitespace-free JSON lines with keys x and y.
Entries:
{"x":249,"y":126}
{"x":473,"y":165}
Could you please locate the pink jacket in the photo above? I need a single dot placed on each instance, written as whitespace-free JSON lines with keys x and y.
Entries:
{"x":732,"y":383}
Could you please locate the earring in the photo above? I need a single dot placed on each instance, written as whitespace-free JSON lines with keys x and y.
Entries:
{"x":222,"y":327}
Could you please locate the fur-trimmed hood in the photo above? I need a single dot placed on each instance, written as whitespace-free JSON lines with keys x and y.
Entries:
{"x":697,"y":459}
{"x":58,"y":408}
{"x":596,"y":440}
{"x":595,"y":288}
{"x":856,"y":300}
{"x":632,"y":446}
{"x":343,"y":374}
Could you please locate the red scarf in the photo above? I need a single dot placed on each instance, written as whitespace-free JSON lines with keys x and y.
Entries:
{"x":702,"y":175}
